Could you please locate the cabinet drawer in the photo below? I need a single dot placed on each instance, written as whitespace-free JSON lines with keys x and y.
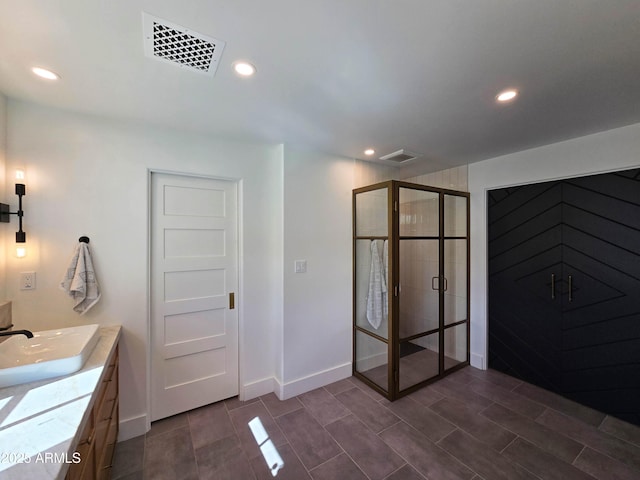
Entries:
{"x":97,"y":442}
{"x":106,"y":462}
{"x":85,"y":449}
{"x":112,"y":438}
{"x":105,"y":415}
{"x":108,"y":398}
{"x":111,"y":366}
{"x":104,"y":473}
{"x":86,"y":468}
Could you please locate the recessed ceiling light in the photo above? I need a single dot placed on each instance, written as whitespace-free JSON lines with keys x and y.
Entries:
{"x":507,"y":95}
{"x":369,"y":151}
{"x":244,"y":69}
{"x":44,"y":73}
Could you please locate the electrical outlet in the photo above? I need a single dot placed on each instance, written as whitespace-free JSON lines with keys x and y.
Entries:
{"x":300,"y":266}
{"x":27,"y":281}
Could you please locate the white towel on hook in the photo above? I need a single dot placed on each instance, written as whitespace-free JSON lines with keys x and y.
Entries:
{"x":385,"y":270}
{"x":80,"y":280}
{"x":377,"y":284}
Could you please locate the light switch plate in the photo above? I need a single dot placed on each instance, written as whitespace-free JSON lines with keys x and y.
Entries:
{"x":300,"y":266}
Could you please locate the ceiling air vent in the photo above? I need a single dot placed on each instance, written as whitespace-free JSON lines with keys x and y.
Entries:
{"x":401,"y":156}
{"x":168,"y":42}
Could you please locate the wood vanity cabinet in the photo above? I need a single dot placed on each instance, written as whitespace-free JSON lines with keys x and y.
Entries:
{"x":98,"y":440}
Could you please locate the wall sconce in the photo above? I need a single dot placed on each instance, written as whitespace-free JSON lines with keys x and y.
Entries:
{"x":21,"y":237}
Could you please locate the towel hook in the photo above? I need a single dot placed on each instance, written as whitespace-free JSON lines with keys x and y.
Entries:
{"x":84,"y":239}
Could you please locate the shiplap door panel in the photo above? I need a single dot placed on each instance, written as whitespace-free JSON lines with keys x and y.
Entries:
{"x":194,"y":268}
{"x":525,"y":257}
{"x":564,"y":284}
{"x":601,"y":318}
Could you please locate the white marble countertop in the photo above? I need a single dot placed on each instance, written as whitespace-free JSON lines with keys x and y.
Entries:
{"x":41,"y":422}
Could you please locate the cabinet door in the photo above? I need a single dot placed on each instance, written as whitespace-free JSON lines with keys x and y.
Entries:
{"x":525,"y":302}
{"x":601,"y":317}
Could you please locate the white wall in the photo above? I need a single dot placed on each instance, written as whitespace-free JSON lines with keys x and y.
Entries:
{"x":617,"y":149}
{"x":317,"y":304}
{"x":3,"y":196}
{"x":89,"y":176}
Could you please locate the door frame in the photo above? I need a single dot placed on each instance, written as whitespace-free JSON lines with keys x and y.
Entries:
{"x":240,"y":266}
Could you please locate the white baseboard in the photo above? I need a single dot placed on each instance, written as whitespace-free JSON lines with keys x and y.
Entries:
{"x":132,"y":427}
{"x":257,"y":388}
{"x":477,"y":361}
{"x":311,"y":382}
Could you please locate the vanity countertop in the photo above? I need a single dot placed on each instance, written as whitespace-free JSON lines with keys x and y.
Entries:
{"x":41,"y":422}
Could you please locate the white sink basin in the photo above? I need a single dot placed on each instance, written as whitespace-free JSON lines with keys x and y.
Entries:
{"x":50,"y":353}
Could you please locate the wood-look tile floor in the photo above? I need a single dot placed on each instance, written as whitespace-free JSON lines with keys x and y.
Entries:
{"x":471,"y":425}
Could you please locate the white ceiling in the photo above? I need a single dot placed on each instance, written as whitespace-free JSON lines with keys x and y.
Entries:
{"x":342,"y":75}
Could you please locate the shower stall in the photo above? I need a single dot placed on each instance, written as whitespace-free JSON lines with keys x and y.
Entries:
{"x":410,"y":285}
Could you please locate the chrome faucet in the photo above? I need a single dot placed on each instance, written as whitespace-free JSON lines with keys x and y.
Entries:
{"x":26,"y":333}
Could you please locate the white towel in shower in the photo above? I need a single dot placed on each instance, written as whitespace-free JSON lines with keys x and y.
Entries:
{"x":377,"y":285}
{"x":80,"y":281}
{"x":385,"y":266}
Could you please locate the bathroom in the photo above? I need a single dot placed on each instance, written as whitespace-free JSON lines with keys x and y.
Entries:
{"x":89,"y":174}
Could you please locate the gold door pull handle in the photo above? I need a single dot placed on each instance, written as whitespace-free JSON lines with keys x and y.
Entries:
{"x":232,"y":301}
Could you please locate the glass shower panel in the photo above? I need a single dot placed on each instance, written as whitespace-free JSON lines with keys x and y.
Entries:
{"x":371,"y":280}
{"x":372,"y":359}
{"x":455,"y":345}
{"x":372,"y":219}
{"x":455,"y":288}
{"x":419,"y":360}
{"x":418,"y":299}
{"x":455,"y":216}
{"x":419,"y":213}
{"x":411,"y":307}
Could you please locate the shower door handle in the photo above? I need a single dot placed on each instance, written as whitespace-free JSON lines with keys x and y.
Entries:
{"x":553,"y":286}
{"x":570,"y":288}
{"x":444,"y":282}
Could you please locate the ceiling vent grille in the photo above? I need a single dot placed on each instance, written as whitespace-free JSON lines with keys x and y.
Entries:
{"x":401,"y":156}
{"x":171,"y":43}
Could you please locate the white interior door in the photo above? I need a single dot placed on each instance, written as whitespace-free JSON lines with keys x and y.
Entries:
{"x":194,"y":275}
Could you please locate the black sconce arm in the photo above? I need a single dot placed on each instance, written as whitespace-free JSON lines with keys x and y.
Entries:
{"x":21,"y":190}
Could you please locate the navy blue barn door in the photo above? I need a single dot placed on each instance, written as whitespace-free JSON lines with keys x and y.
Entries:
{"x":564,"y":288}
